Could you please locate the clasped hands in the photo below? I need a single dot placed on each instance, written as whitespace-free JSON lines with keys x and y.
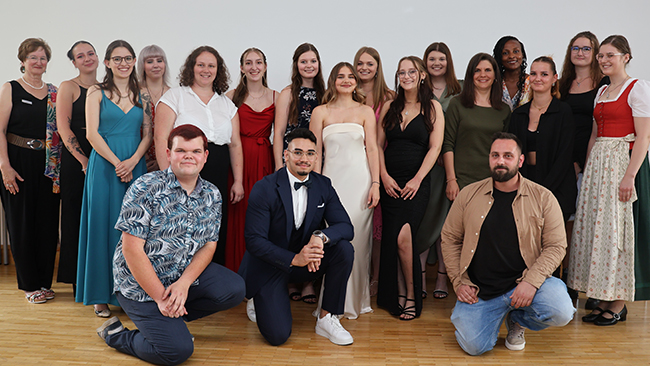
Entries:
{"x":521,"y":297}
{"x":124,"y":169}
{"x":310,"y":255}
{"x":172,"y":303}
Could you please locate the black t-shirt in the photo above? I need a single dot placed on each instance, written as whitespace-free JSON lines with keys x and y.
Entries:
{"x":497,"y":263}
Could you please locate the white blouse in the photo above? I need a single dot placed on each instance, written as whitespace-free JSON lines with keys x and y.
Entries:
{"x":214,"y":118}
{"x":638,"y":99}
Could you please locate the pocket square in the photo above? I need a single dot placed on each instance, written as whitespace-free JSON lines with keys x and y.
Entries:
{"x":321,"y":205}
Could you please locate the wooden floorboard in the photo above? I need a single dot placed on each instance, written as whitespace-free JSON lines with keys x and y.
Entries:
{"x":62,"y":332}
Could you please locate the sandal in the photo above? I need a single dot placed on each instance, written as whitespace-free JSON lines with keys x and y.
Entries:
{"x":310,"y":299}
{"x":294,"y":293}
{"x":49,"y":294}
{"x":408,"y":311}
{"x":440,"y":293}
{"x":400,"y":307}
{"x":36,"y":297}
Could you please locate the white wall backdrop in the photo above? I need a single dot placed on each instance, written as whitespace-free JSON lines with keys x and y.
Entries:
{"x":337,"y":28}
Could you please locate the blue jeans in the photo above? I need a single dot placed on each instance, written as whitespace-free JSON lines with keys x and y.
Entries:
{"x":477,"y":325}
{"x":167,"y":341}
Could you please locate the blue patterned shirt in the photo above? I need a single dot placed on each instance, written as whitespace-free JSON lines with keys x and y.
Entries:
{"x":173,"y":224}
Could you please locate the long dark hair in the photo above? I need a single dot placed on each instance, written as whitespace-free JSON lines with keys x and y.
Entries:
{"x":497,"y":53}
{"x":393,"y":117}
{"x":220,"y":83}
{"x":569,"y":69}
{"x":108,"y":84}
{"x":453,"y":86}
{"x":241,"y":92}
{"x":468,"y":95}
{"x":331,"y":93}
{"x":296,"y":81}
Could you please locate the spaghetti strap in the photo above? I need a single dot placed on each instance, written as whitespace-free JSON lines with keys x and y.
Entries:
{"x":274,"y":97}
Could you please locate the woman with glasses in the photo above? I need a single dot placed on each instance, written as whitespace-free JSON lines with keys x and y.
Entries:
{"x":346,"y":129}
{"x":201,"y":101}
{"x":472,"y":118}
{"x":609,"y":248}
{"x":510,"y":55}
{"x":581,"y":78}
{"x":443,"y":82}
{"x":117,"y":114}
{"x":153,"y":76}
{"x":294,"y":107}
{"x":545,"y":127}
{"x":71,"y":123}
{"x":28,"y":149}
{"x":413,"y":127}
{"x":372,"y":83}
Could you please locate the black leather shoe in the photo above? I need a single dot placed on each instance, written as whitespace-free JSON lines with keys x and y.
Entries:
{"x":590,"y":318}
{"x":616,"y":317}
{"x":591,"y":304}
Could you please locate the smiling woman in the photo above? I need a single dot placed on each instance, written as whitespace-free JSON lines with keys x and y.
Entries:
{"x":201,"y":101}
{"x":346,"y":129}
{"x":510,"y":56}
{"x":117,"y":115}
{"x":27,"y":151}
{"x":256,"y":109}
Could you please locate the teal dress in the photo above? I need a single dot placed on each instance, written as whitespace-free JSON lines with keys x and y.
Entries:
{"x":102,"y":201}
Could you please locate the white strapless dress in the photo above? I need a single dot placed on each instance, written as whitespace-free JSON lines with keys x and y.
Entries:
{"x":346,"y":164}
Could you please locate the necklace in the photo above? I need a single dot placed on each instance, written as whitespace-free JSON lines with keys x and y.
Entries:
{"x":263,"y":94}
{"x":33,"y":87}
{"x":77,"y":81}
{"x":436,"y":88}
{"x":580,"y":82}
{"x":407,"y":109}
{"x":539,"y":109}
{"x":153,"y":97}
{"x":615,"y":87}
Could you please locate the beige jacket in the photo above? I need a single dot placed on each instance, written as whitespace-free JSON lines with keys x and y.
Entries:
{"x":540,"y":229}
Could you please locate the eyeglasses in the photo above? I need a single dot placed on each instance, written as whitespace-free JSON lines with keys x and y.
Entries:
{"x":118,"y":59}
{"x":411,"y":73}
{"x":35,"y":59}
{"x":608,"y":56}
{"x":298,"y":154}
{"x":585,"y":49}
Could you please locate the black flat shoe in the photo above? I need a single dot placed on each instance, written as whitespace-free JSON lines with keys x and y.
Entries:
{"x":616,"y":317}
{"x":590,"y":318}
{"x":591,"y":304}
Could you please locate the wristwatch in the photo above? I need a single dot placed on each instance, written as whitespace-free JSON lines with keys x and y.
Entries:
{"x":322,"y":236}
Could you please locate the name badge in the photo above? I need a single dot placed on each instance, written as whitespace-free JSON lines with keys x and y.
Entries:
{"x":26,"y":101}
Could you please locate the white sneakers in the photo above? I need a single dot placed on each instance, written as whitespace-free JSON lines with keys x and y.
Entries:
{"x":250,"y":311}
{"x":515,"y":340}
{"x":330,"y":328}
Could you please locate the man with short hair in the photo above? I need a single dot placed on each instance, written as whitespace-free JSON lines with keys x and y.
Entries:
{"x":284,"y":243}
{"x":503,"y":238}
{"x":162,"y":267}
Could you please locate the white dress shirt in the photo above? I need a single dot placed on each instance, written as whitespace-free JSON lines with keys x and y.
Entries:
{"x":299,"y":199}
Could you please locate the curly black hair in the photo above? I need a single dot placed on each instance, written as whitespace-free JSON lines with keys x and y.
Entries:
{"x":497,"y":54}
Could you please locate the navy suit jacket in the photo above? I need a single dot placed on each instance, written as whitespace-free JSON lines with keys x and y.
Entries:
{"x":269,"y":223}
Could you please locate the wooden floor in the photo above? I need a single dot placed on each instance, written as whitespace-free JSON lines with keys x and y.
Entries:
{"x":62,"y":332}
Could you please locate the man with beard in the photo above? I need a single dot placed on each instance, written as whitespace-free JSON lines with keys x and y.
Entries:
{"x":503,"y":238}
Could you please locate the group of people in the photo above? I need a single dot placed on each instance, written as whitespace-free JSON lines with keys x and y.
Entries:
{"x":347,"y":179}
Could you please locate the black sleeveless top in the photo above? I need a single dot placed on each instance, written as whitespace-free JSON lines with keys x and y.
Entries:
{"x":78,"y":121}
{"x":28,"y":116}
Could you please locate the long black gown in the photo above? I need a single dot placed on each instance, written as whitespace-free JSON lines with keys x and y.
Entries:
{"x":403,"y":156}
{"x":72,"y":188}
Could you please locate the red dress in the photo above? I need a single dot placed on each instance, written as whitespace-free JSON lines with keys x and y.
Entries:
{"x":255,"y":130}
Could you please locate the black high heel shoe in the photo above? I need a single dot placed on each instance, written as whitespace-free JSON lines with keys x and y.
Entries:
{"x":591,"y":317}
{"x":616,"y":317}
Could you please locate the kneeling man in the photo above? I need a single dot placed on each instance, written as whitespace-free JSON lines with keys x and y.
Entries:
{"x":503,"y":238}
{"x":162,"y":266}
{"x":284,"y":244}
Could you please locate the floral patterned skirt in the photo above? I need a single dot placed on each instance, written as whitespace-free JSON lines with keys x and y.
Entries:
{"x":602,"y":245}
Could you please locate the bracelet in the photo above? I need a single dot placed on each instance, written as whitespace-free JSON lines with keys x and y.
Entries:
{"x":374,"y":182}
{"x":451,"y":180}
{"x":83,"y":169}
